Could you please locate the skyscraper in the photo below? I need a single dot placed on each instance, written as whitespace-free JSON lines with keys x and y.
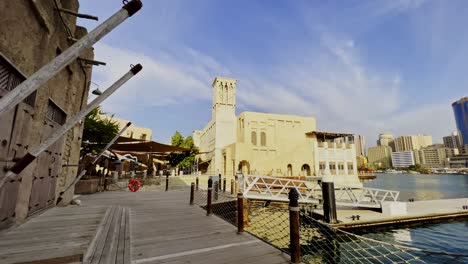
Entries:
{"x":453,"y":141}
{"x":385,"y":139}
{"x":413,"y":142}
{"x":357,"y":140}
{"x":460,"y":109}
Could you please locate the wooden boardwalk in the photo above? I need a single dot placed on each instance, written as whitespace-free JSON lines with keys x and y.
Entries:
{"x":162,"y":228}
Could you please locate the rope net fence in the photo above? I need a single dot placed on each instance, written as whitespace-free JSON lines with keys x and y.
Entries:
{"x":322,"y":243}
{"x":223,"y":204}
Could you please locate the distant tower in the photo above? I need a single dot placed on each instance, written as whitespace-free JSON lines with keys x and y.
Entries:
{"x":223,"y":117}
{"x":385,"y":139}
{"x":460,"y":109}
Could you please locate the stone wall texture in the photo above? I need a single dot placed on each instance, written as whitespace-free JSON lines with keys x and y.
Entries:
{"x":32,"y":33}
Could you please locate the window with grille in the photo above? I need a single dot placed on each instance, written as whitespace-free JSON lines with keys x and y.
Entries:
{"x":55,"y":113}
{"x":10,"y":78}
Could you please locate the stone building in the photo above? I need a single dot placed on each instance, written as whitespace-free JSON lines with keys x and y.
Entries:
{"x":32,"y":33}
{"x":269,"y":144}
{"x":133,"y":131}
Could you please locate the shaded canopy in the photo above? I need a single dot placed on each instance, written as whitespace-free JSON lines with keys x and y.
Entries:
{"x":147,"y":146}
{"x":327,"y":135}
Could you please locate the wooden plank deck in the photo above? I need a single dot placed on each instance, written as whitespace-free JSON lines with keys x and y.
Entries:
{"x":162,"y":228}
{"x":165,"y":229}
{"x":60,"y":235}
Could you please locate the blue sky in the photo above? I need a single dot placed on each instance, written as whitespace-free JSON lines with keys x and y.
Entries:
{"x":361,"y":67}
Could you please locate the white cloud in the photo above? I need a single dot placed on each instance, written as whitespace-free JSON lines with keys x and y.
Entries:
{"x":167,"y":80}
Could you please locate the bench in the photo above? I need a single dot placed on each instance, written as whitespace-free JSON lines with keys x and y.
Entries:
{"x":111,"y":244}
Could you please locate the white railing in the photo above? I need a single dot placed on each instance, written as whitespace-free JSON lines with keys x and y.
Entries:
{"x":273,"y":188}
{"x":277,"y":189}
{"x":366,"y":197}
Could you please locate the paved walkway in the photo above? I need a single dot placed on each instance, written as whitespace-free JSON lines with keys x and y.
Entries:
{"x":163,"y":229}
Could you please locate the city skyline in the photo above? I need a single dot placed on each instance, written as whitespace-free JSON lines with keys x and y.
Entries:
{"x":371,"y":83}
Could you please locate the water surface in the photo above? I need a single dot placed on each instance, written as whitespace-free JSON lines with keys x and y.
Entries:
{"x":448,"y":236}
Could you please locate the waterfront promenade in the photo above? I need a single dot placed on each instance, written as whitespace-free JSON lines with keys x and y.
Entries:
{"x":162,"y":228}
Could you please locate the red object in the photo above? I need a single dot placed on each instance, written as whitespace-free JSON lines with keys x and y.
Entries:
{"x":134,"y":185}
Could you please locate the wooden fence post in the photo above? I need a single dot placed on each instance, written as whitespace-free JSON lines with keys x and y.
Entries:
{"x":240,"y":213}
{"x":295,"y":245}
{"x":192,"y":193}
{"x":167,"y":182}
{"x":208,"y":202}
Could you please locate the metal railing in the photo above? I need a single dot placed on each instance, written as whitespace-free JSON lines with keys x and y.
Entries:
{"x":277,"y":189}
{"x":273,"y":188}
{"x":366,"y":197}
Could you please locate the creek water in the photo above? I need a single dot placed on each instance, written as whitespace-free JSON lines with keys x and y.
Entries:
{"x":448,"y":236}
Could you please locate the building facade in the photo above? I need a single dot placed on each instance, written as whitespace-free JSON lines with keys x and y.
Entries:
{"x":385,"y":139}
{"x":435,"y":156}
{"x":453,"y":141}
{"x":358,"y":141}
{"x":133,"y":131}
{"x":458,"y":161}
{"x":413,"y":142}
{"x":460,"y":110}
{"x":402,"y":159}
{"x":32,"y":34}
{"x":380,"y":156}
{"x":268,"y":144}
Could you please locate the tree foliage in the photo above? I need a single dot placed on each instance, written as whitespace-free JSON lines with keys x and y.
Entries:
{"x":182,"y":159}
{"x":98,"y":130}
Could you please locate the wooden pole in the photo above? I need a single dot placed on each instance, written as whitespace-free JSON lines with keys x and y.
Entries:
{"x":60,"y":131}
{"x":240,"y":213}
{"x":167,"y":182}
{"x":329,"y":203}
{"x":192,"y":193}
{"x":295,"y":246}
{"x":232,"y":187}
{"x":40,"y":77}
{"x":208,"y":202}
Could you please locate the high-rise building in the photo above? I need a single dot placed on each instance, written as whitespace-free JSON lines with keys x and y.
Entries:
{"x":403,"y":159}
{"x":413,"y":142}
{"x":385,"y":139}
{"x":453,"y":141}
{"x":357,"y":140}
{"x":380,"y":156}
{"x":434,"y":156}
{"x":460,"y":110}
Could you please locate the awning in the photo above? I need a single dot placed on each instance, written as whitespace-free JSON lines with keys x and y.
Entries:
{"x":327,"y":135}
{"x":148,"y":147}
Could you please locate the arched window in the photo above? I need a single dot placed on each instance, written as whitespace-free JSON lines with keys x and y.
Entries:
{"x":289,"y":170}
{"x":263,"y":138}
{"x":305,"y":169}
{"x":254,"y":138}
